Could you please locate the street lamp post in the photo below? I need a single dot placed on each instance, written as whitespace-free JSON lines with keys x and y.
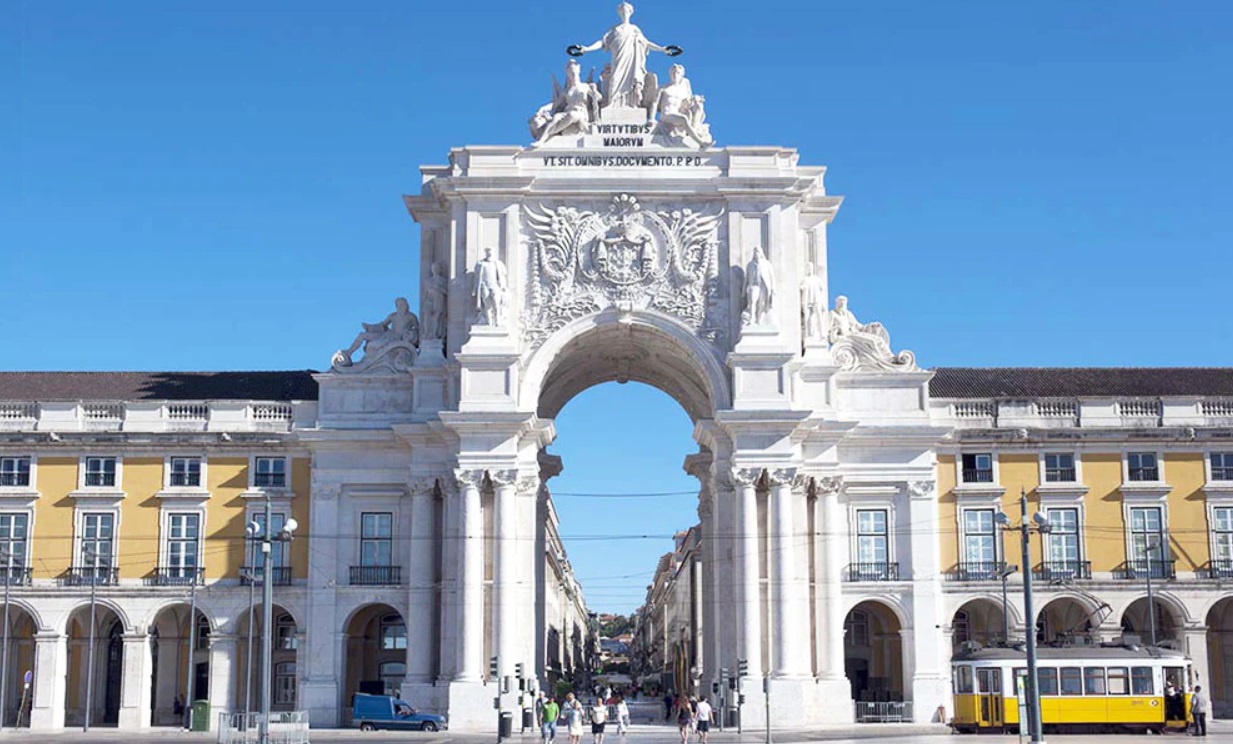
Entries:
{"x":192,"y":648}
{"x":267,"y":610}
{"x":1151,"y":598}
{"x":1005,"y":574}
{"x":7,"y":559}
{"x":1042,"y":525}
{"x":90,"y":558}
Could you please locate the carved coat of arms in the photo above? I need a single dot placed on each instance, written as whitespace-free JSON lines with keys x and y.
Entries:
{"x":627,"y":256}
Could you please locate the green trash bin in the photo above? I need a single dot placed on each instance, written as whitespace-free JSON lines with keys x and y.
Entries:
{"x":201,"y":716}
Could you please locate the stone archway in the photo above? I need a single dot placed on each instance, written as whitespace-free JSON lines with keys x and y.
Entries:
{"x":376,"y":652}
{"x":21,"y":630}
{"x":284,"y":660}
{"x":873,"y":653}
{"x":102,"y":680}
{"x":1065,"y":618}
{"x":174,"y":664}
{"x":981,"y":620}
{"x":1170,"y":619}
{"x":1220,"y":656}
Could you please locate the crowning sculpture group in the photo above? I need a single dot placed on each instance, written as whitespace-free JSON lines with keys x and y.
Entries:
{"x":581,"y":261}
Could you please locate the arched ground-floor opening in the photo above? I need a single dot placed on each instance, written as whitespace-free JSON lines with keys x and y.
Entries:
{"x":873,"y":653}
{"x":979,"y":620}
{"x":179,"y":672}
{"x":95,"y":666}
{"x":284,"y":660}
{"x":1168,"y":626}
{"x":1220,"y":656}
{"x":21,"y":629}
{"x":375,"y":652}
{"x":1064,"y":619}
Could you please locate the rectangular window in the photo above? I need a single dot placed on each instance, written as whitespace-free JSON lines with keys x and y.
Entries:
{"x":1119,"y":681}
{"x":183,"y":541}
{"x":1142,"y":466}
{"x":278,"y":549}
{"x":1059,"y":468}
{"x":101,"y":472}
{"x":376,"y":539}
{"x":284,"y":683}
{"x":271,"y":472}
{"x":1094,"y":680}
{"x":1222,"y":534}
{"x":13,"y":535}
{"x":1222,"y":466}
{"x":871,"y":538}
{"x":978,"y":468}
{"x":979,"y":543}
{"x":97,"y":540}
{"x":1063,"y":541}
{"x":1146,"y":535}
{"x":393,"y":633}
{"x":1047,"y":677}
{"x":14,"y":471}
{"x":185,"y":472}
{"x":1141,"y":681}
{"x":1071,"y":679}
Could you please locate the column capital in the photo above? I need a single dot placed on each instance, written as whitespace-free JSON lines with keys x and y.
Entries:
{"x":922,"y":489}
{"x":222,"y":639}
{"x":421,"y":485}
{"x":828,"y":485}
{"x":745,"y":477}
{"x":469,"y":478}
{"x":528,"y":485}
{"x":48,"y":636}
{"x":501,"y":478}
{"x":778,"y":477}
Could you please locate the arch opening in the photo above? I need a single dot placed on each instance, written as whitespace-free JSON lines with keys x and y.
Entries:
{"x":171,"y":659}
{"x":982,"y":621}
{"x":376,"y":651}
{"x":1136,"y":620}
{"x":873,"y":653}
{"x":21,"y":630}
{"x":1065,"y":619}
{"x":284,"y":659}
{"x":1220,"y":656}
{"x":105,"y":676}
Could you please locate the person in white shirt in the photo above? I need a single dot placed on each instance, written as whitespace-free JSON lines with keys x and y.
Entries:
{"x":599,"y":717}
{"x":705,"y":714}
{"x":622,"y":713}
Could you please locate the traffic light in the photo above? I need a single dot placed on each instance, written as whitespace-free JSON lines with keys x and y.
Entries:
{"x":518,"y":670}
{"x":492,"y":667}
{"x":715,"y":688}
{"x":742,"y":668}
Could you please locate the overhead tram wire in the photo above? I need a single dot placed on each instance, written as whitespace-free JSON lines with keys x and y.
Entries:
{"x":651,"y":495}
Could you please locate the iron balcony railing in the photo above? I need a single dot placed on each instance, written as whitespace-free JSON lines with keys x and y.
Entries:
{"x":99,"y":576}
{"x":977,"y":571}
{"x":1142,"y":568}
{"x":15,"y":576}
{"x":1219,"y":568}
{"x":873,"y":571}
{"x":280,"y":575}
{"x":177,"y":576}
{"x":1063,"y":570}
{"x":376,"y":575}
{"x":977,"y":475}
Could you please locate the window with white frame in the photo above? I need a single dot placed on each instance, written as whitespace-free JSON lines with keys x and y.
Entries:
{"x":284,"y":683}
{"x":1147,"y":538}
{"x":978,"y":468}
{"x":1142,"y":466}
{"x":979,"y":538}
{"x":872,"y":549}
{"x":376,"y":539}
{"x":284,"y":633}
{"x":97,"y":541}
{"x":1222,"y":466}
{"x":1222,"y":536}
{"x":14,"y":532}
{"x":278,"y":548}
{"x":393,"y":633}
{"x":1059,"y":467}
{"x":1063,"y":540}
{"x":101,"y":472}
{"x":270,"y":472}
{"x":185,"y":472}
{"x":14,"y":471}
{"x":183,"y":544}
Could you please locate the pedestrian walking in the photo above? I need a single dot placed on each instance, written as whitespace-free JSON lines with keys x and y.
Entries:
{"x":622,"y":714}
{"x":549,"y":713}
{"x":668,"y":705}
{"x":599,"y":719}
{"x":704,"y":715}
{"x":684,"y":717}
{"x":573,"y":718}
{"x":1198,"y":710}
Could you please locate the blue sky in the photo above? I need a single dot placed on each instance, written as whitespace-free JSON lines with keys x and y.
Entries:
{"x":218,"y":185}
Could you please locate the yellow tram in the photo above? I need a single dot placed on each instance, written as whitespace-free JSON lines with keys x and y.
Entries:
{"x":1081,"y":688}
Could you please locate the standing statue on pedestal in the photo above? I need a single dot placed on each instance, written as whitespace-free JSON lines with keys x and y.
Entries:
{"x":680,"y":111}
{"x":759,"y":289}
{"x":399,"y":329}
{"x":489,"y":290}
{"x":572,"y":109}
{"x":626,"y":82}
{"x":813,"y":304}
{"x":436,"y":295}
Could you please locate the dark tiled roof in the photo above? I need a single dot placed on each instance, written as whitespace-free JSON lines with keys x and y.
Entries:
{"x":49,"y":386}
{"x":1075,"y":382}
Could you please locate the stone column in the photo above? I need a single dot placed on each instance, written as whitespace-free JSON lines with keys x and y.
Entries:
{"x":421,"y":600}
{"x":470,"y":557}
{"x":505,"y":570}
{"x":323,"y":664}
{"x":706,"y":591}
{"x":789,"y":657}
{"x":135,"y":682}
{"x":930,"y":655}
{"x":749,"y":644}
{"x":223,"y":661}
{"x":51,"y":670}
{"x":834,"y":554}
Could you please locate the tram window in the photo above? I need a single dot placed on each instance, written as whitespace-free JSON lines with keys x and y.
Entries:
{"x":963,"y":679}
{"x":1118,"y":681}
{"x":1141,"y":682}
{"x":1046,"y":677}
{"x":1094,"y":680}
{"x":1072,"y":681}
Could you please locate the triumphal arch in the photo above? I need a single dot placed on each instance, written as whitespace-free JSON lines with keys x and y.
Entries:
{"x":626,"y":241}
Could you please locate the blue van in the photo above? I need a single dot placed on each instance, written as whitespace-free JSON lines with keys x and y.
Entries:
{"x":372,"y":712}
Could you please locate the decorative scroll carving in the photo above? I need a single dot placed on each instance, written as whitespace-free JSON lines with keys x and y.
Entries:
{"x":423,"y":486}
{"x":781,"y":477}
{"x":922,"y":489}
{"x":629,"y":257}
{"x":742,"y":477}
{"x":830,"y":484}
{"x":390,"y":345}
{"x":469,"y":478}
{"x":326,"y":491}
{"x":864,"y":346}
{"x":503,"y":477}
{"x":528,"y":485}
